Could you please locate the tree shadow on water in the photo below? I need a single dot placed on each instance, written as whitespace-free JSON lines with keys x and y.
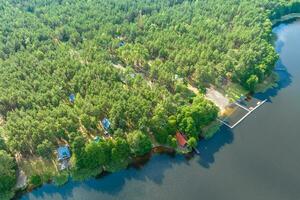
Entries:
{"x":153,"y":171}
{"x":208,"y":148}
{"x":285,"y":79}
{"x":111,"y":183}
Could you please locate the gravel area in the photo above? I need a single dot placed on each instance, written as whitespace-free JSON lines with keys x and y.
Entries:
{"x":218,"y":98}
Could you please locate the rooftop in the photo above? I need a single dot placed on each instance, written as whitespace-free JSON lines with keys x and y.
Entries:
{"x":181,"y":139}
{"x":106,"y":123}
{"x":63,"y":152}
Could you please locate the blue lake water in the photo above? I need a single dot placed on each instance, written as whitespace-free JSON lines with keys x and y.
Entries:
{"x":258,"y":160}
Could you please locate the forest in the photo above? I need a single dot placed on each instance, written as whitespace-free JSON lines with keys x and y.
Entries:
{"x":66,"y":65}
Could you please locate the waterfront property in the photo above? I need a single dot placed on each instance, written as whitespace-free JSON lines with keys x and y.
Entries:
{"x":181,"y":140}
{"x":72,"y":98}
{"x":105,"y":123}
{"x":63,"y":156}
{"x":240,"y":110}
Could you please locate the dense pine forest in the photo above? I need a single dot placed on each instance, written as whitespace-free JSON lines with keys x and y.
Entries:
{"x":66,"y":65}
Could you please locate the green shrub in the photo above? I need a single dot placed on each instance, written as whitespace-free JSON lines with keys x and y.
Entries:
{"x":84,"y":174}
{"x":36,"y":180}
{"x":61,"y":178}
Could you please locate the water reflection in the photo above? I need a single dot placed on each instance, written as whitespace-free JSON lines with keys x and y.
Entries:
{"x":113,"y":183}
{"x":285,"y":78}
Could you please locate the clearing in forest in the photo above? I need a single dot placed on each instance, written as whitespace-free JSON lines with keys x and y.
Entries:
{"x":217,"y":98}
{"x":213,"y":95}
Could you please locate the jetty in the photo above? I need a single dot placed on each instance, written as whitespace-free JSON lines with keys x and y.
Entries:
{"x":196,"y":150}
{"x":249,"y":111}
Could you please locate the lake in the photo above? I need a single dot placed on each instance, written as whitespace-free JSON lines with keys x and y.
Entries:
{"x":258,"y":160}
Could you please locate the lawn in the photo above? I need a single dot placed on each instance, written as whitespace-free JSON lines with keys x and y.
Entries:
{"x":38,"y":166}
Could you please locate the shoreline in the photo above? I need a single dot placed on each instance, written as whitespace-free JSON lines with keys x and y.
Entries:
{"x":136,"y":162}
{"x":286,"y":19}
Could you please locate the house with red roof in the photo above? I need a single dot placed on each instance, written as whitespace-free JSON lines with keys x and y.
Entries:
{"x":181,"y":139}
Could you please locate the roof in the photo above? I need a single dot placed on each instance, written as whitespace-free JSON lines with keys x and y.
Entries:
{"x":122,"y":43}
{"x":106,"y":123}
{"x":181,"y":139}
{"x":72,"y":98}
{"x":63,"y":153}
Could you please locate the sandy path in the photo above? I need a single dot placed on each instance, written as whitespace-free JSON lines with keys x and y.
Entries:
{"x":21,"y":180}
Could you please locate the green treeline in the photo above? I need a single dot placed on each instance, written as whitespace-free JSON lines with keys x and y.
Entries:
{"x":127,"y":61}
{"x":284,"y":9}
{"x":7,"y":172}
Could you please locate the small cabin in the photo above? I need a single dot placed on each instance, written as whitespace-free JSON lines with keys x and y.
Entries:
{"x":105,"y":123}
{"x":181,"y":140}
{"x":72,"y":98}
{"x":122,"y":43}
{"x":63,"y":153}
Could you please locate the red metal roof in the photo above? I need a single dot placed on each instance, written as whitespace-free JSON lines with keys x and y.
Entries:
{"x":180,"y":139}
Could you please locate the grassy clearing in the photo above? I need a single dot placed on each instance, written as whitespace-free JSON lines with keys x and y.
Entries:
{"x":38,"y":166}
{"x":182,"y":150}
{"x":232,"y":91}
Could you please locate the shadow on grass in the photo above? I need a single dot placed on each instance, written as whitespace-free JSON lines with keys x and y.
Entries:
{"x":111,"y":184}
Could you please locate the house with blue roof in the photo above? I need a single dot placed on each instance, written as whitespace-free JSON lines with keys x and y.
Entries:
{"x":72,"y":98}
{"x":105,"y":123}
{"x":122,"y":43}
{"x":63,"y":153}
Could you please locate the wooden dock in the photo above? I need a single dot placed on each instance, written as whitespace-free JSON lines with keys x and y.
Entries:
{"x":244,"y":117}
{"x":196,"y":151}
{"x":241,"y":106}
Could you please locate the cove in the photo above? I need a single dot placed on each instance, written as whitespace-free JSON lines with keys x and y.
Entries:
{"x":259,"y":159}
